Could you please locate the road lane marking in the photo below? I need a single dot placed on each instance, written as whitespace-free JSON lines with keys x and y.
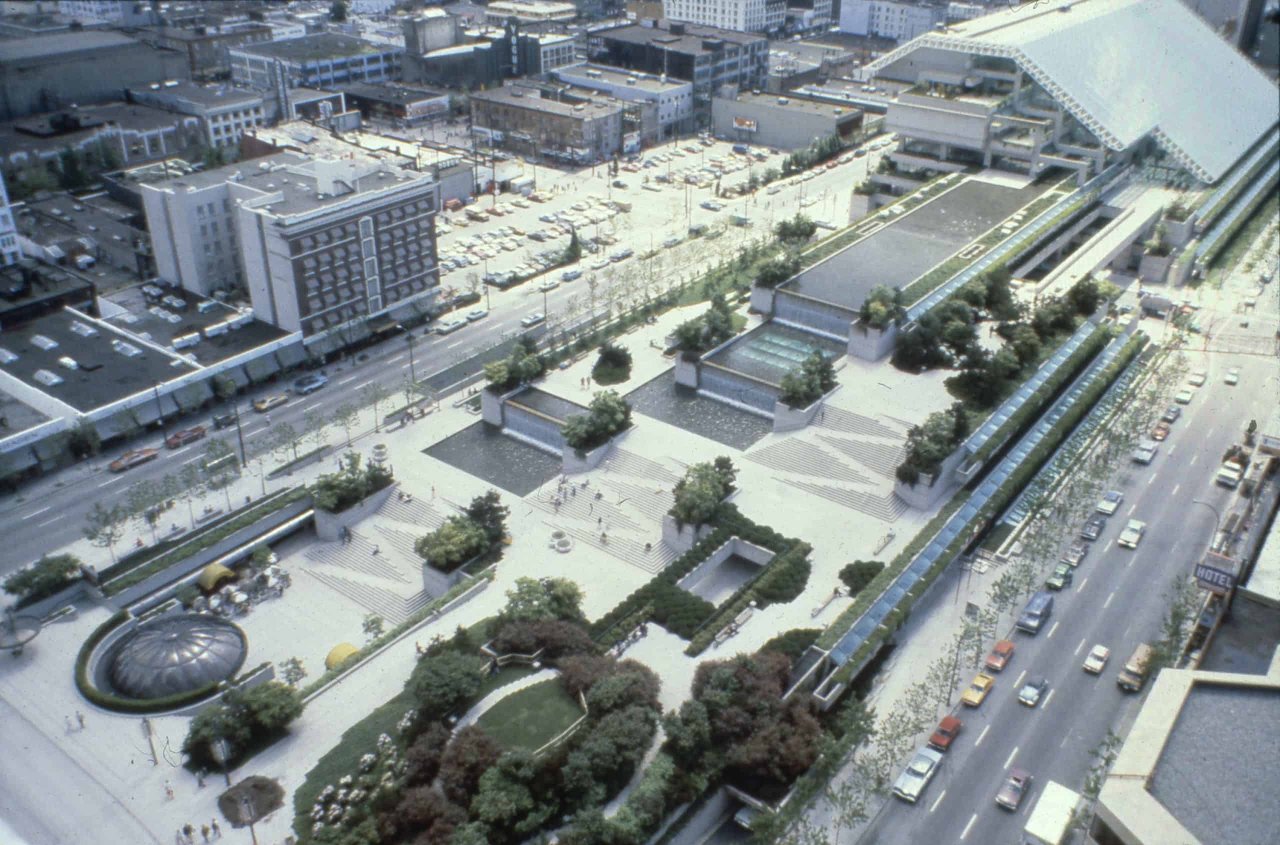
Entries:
{"x":939,"y":801}
{"x":1082,"y":583}
{"x":396,"y":358}
{"x":1012,"y":754}
{"x":1132,"y":508}
{"x":1107,"y":603}
{"x":1047,"y":699}
{"x":1065,"y":739}
{"x":982,"y":736}
{"x":35,"y":513}
{"x":312,"y":407}
{"x":256,"y":431}
{"x":1171,"y":448}
{"x":404,"y":366}
{"x":967,"y":827}
{"x":1151,"y":480}
{"x":112,"y":481}
{"x":1020,"y":677}
{"x":48,"y":522}
{"x":363,"y":385}
{"x":346,"y":380}
{"x":1076,"y":653}
{"x":1053,"y":629}
{"x":1192,"y":462}
{"x":1107,"y":547}
{"x":1175,"y":490}
{"x":191,"y":460}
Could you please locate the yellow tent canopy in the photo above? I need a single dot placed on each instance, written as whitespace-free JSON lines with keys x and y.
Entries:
{"x":213,"y":576}
{"x":340,"y":654}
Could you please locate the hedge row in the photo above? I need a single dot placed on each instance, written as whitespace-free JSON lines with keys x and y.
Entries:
{"x":1020,"y":477}
{"x":215,"y":534}
{"x":781,"y":581}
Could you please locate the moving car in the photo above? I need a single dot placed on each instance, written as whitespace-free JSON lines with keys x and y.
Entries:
{"x":670,"y":242}
{"x":309,"y":384}
{"x":1061,"y":577}
{"x":1015,"y":788}
{"x":1033,"y":690}
{"x":1171,"y":414}
{"x":1097,"y":659}
{"x":978,"y":690}
{"x":1037,"y":612}
{"x":1145,"y":452}
{"x":1075,"y":554}
{"x":1131,"y":536}
{"x":1001,"y":654}
{"x":187,"y":435}
{"x":599,"y":264}
{"x":133,"y":458}
{"x":477,"y":314}
{"x":911,"y":783}
{"x":1233,"y":376}
{"x":946,"y":733}
{"x":266,"y":403}
{"x":224,"y":420}
{"x":711,"y":205}
{"x":1198,"y":378}
{"x":570,"y":275}
{"x":1134,"y":674}
{"x":1110,"y":502}
{"x":1093,"y":526}
{"x":1160,"y":432}
{"x":450,"y":325}
{"x":549,"y":284}
{"x":533,"y":319}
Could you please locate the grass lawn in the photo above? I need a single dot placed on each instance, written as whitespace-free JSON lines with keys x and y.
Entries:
{"x":532,"y":717}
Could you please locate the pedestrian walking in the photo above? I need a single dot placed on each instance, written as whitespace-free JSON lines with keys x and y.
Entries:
{"x":80,"y":719}
{"x":200,"y":778}
{"x":69,"y":727}
{"x":168,"y":791}
{"x":189,"y":831}
{"x":217,"y":831}
{"x":204,"y":831}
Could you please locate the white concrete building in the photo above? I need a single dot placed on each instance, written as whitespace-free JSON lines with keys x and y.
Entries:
{"x":284,"y":30}
{"x":900,"y":21}
{"x":673,"y":97}
{"x":326,"y":247}
{"x":528,"y":12}
{"x":9,"y":250}
{"x":224,"y":112}
{"x":737,"y":15}
{"x":557,"y":51}
{"x":92,"y":11}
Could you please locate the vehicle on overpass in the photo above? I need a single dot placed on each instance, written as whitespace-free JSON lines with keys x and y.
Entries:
{"x":1050,"y":820}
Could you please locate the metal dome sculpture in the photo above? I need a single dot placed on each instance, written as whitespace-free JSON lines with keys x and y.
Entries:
{"x":176,"y":654}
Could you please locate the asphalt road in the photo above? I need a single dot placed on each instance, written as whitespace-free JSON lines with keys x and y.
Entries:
{"x":50,"y":512}
{"x":1119,"y":599}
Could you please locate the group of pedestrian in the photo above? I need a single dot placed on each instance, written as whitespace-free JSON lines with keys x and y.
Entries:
{"x":186,"y":834}
{"x":77,"y":724}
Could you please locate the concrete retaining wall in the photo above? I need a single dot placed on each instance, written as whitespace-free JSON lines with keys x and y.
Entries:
{"x":1154,"y":268}
{"x":686,"y":371}
{"x":329,"y":525}
{"x":438,"y":583}
{"x":786,"y":418}
{"x":758,"y":555}
{"x":926,"y":492}
{"x":682,"y":538}
{"x":571,"y":462}
{"x":762,"y":300}
{"x":872,"y":344}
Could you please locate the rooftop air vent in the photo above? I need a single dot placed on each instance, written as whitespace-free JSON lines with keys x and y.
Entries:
{"x":126,"y":349}
{"x":68,"y":363}
{"x":47,"y":378}
{"x":45,"y":343}
{"x":7,"y":357}
{"x":83,"y":329}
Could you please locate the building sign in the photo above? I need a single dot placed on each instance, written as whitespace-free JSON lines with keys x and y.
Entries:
{"x":744,"y":124}
{"x":1216,"y":573}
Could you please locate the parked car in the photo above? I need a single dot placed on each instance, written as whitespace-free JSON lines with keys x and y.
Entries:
{"x":1015,"y":788}
{"x":1183,"y":397}
{"x":946,"y":733}
{"x":1161,"y":431}
{"x":1075,"y":554}
{"x":133,"y":458}
{"x":1001,"y":654}
{"x":1171,"y":414}
{"x":1131,"y":536}
{"x":911,"y":783}
{"x":978,"y":690}
{"x":1233,"y":376}
{"x":266,"y":403}
{"x":1061,"y":577}
{"x":1198,"y":378}
{"x":670,"y":242}
{"x":1093,"y":527}
{"x":1033,"y":690}
{"x":1110,"y":502}
{"x":309,"y":384}
{"x":548,"y":284}
{"x":226,"y":420}
{"x":1097,"y":659}
{"x":477,"y":314}
{"x":711,"y":205}
{"x":186,"y":435}
{"x":570,"y":275}
{"x":533,"y":319}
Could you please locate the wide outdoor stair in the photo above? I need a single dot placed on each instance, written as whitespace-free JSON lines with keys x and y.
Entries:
{"x":838,"y":419}
{"x":584,"y":506}
{"x":881,"y":458}
{"x":625,"y":548}
{"x":653,"y":502}
{"x":356,"y":556}
{"x":887,"y":508}
{"x":629,"y":463}
{"x":421,"y":514}
{"x":805,"y":458}
{"x":392,"y":606}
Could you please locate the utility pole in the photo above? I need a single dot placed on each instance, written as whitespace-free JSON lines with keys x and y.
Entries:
{"x":413,"y":374}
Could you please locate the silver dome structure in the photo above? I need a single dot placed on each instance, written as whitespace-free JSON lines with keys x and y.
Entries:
{"x":176,"y":654}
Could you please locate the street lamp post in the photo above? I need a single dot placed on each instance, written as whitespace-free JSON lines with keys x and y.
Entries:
{"x":244,"y":461}
{"x":1217,"y":521}
{"x":413,"y":374}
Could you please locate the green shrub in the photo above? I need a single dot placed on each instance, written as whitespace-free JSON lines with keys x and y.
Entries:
{"x":608,"y":414}
{"x":43,"y":578}
{"x":335,"y":492}
{"x":857,"y":575}
{"x":452,"y":544}
{"x":806,"y":384}
{"x":793,"y":643}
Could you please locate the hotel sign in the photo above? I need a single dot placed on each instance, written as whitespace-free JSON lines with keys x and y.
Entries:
{"x":1216,"y":573}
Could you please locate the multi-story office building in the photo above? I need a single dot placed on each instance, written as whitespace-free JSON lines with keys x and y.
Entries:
{"x":709,"y":58}
{"x":56,"y":71}
{"x":324,"y":246}
{"x":224,"y":112}
{"x":538,"y":121}
{"x":788,"y":123}
{"x":314,"y":61}
{"x":9,"y":251}
{"x":494,"y":57}
{"x":528,"y":12}
{"x":402,"y":104}
{"x":737,"y":15}
{"x":672,"y":98}
{"x":894,"y":19}
{"x":208,"y":45}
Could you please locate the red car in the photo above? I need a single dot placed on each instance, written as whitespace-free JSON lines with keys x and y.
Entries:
{"x":131,"y":459}
{"x":1161,"y":431}
{"x":1000,"y":656}
{"x":185,"y":436}
{"x":947,"y":730}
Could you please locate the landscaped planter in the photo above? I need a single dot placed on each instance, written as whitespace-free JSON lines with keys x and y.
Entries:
{"x":329,"y":525}
{"x":926,"y":492}
{"x":682,"y":538}
{"x":687,"y":371}
{"x":1178,"y":233}
{"x":1154,"y":268}
{"x":860,"y":205}
{"x":872,"y":344}
{"x":762,"y":300}
{"x":787,"y":418}
{"x":572,"y":461}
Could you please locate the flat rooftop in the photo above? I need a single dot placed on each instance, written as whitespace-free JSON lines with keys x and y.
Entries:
{"x":311,"y":48}
{"x":1264,"y":581}
{"x":202,"y":95}
{"x":519,"y":96}
{"x":400,"y":94}
{"x":793,"y":104}
{"x":104,"y":373}
{"x":1222,"y":750}
{"x":909,"y":246}
{"x":16,"y":415}
{"x":586,"y":74}
{"x":48,"y":47}
{"x":48,"y":283}
{"x":691,"y":42}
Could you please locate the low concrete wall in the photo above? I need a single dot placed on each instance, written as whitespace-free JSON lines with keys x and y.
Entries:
{"x":329,"y":525}
{"x":1153,"y":268}
{"x":758,"y":555}
{"x":491,"y":404}
{"x":686,"y":371}
{"x":1178,"y":234}
{"x":438,"y":583}
{"x":762,"y":300}
{"x":872,"y":344}
{"x":684,"y":537}
{"x":704,"y":822}
{"x":786,"y":418}
{"x":859,"y":206}
{"x":572,"y":463}
{"x":926,"y":492}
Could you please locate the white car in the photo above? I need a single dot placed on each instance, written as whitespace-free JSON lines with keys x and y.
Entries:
{"x":533,"y":319}
{"x":1097,"y":659}
{"x":1110,"y":502}
{"x":1183,"y":397}
{"x":1131,"y":536}
{"x":1198,"y":378}
{"x":911,"y":783}
{"x":1233,"y":376}
{"x":549,"y":284}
